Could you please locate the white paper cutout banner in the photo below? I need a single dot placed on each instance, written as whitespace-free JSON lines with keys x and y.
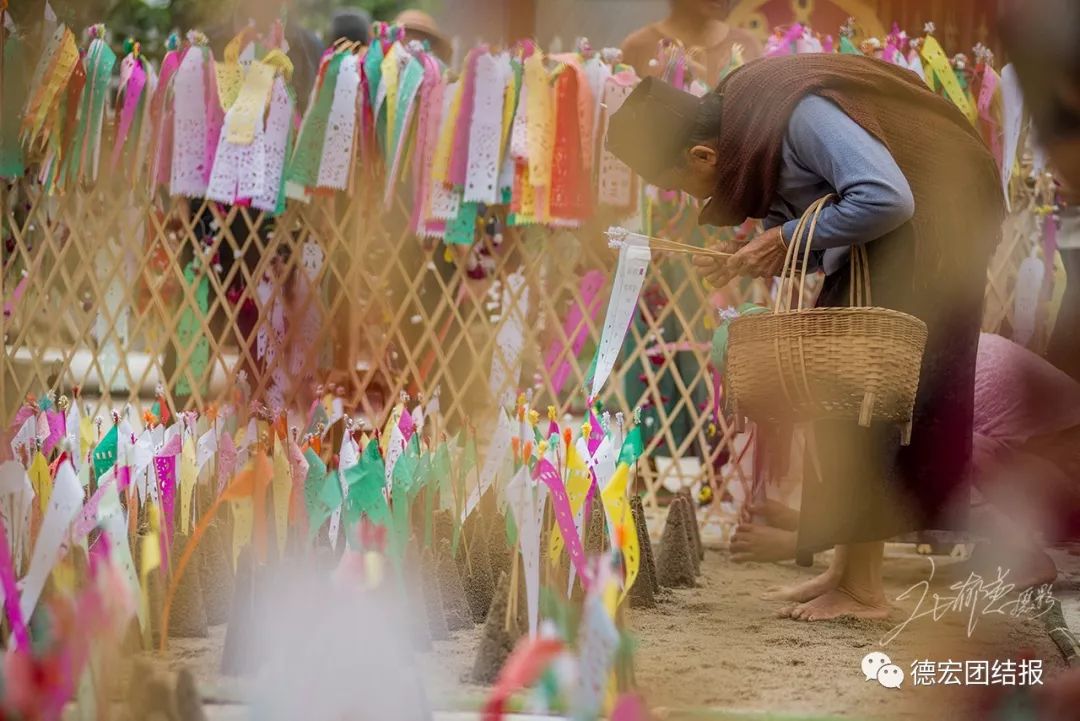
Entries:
{"x":634,"y":257}
{"x":526,"y":500}
{"x":64,"y":505}
{"x":498,"y":451}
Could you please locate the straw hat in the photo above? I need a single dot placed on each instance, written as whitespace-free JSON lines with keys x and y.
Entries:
{"x":419,"y":23}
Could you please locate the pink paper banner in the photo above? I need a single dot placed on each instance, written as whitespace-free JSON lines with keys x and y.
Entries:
{"x":165,"y":468}
{"x":226,"y":461}
{"x":548,"y":475}
{"x":57,"y":430}
{"x":133,"y":93}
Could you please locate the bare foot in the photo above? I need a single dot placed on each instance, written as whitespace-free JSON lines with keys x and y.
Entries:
{"x":762,"y":544}
{"x":840,"y":602}
{"x":806,"y":591}
{"x":777,"y":515}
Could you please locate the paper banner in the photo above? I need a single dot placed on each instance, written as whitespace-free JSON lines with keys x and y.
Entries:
{"x":598,"y":641}
{"x":366,"y":496}
{"x":1012,"y":103}
{"x":485,"y":131}
{"x":67,"y":497}
{"x":526,"y":500}
{"x":578,"y":483}
{"x":617,"y":506}
{"x":188,"y":477}
{"x":348,"y":457}
{"x":165,"y":472}
{"x":190,"y":131}
{"x":337,"y":150}
{"x":281,"y":488}
{"x":498,"y":453}
{"x":205,"y":448}
{"x":40,"y":480}
{"x":937,"y":61}
{"x":105,"y":452}
{"x":560,"y":504}
{"x":243,"y":523}
{"x":509,"y":340}
{"x":634,"y":259}
{"x":16,"y":500}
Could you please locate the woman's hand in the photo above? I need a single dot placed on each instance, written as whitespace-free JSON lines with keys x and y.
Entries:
{"x":762,"y":257}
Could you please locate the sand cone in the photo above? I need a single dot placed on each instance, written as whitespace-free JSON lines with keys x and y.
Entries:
{"x":236,"y":654}
{"x":433,"y":604}
{"x":496,"y":643}
{"x":643,"y":592}
{"x":189,"y":706}
{"x":476,"y":576}
{"x":594,"y":530}
{"x":648,"y":553}
{"x":414,"y":601}
{"x":216,"y":575}
{"x":187,"y":616}
{"x":688,"y":523}
{"x":695,"y":530}
{"x":497,"y":547}
{"x":675,"y":566}
{"x":456,"y":607}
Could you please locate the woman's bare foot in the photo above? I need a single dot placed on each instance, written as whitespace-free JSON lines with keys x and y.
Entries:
{"x":841,"y":602}
{"x":762,"y":544}
{"x":776,"y":514}
{"x":806,"y":591}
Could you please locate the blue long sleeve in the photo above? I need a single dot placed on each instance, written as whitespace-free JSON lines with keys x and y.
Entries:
{"x":825,"y":151}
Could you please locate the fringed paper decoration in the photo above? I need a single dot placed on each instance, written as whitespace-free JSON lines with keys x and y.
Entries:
{"x":485,"y":131}
{"x":399,"y":122}
{"x":242,"y":162}
{"x":429,"y":115}
{"x":13,"y":80}
{"x":338,"y":149}
{"x":569,"y":194}
{"x":944,"y":75}
{"x":303,"y":167}
{"x":135,"y":76}
{"x":197,"y":118}
{"x":161,"y":114}
{"x":54,"y":68}
{"x":84,"y":156}
{"x":277,"y":139}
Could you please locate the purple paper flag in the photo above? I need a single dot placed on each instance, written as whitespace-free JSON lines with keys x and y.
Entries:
{"x":548,"y":475}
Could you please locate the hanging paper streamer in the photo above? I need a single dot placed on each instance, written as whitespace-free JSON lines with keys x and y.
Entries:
{"x":634,"y":257}
{"x":1012,"y":100}
{"x":526,"y":499}
{"x":191,"y":126}
{"x":485,"y":132}
{"x":64,"y":505}
{"x":303,"y":168}
{"x":337,"y":150}
{"x":498,"y":453}
{"x":400,"y":123}
{"x":14,"y":88}
{"x":50,"y":78}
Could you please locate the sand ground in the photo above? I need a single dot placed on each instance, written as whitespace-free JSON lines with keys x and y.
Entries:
{"x":719,"y":646}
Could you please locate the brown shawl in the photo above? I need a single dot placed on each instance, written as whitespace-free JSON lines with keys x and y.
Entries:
{"x":952,"y":174}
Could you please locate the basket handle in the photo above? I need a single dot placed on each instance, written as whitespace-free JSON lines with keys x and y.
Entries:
{"x":859,"y":295}
{"x":802,"y":240}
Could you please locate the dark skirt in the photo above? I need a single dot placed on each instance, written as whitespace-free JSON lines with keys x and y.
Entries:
{"x":864,"y":486}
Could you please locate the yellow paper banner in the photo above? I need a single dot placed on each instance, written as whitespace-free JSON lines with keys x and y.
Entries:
{"x":578,"y":481}
{"x":281,"y":488}
{"x":935,"y":58}
{"x":617,"y":506}
{"x":251,"y":101}
{"x":243,"y":515}
{"x":539,"y":119}
{"x":188,"y":477}
{"x":40,"y":480}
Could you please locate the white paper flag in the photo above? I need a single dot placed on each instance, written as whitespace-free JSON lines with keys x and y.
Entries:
{"x":634,"y":257}
{"x":64,"y":505}
{"x":526,"y":501}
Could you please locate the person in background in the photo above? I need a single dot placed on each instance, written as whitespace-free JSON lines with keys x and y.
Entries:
{"x":421,"y":26}
{"x":699,"y":25}
{"x":917,"y":188}
{"x":352,"y":25}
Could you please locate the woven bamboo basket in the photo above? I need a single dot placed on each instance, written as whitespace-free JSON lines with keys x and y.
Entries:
{"x":805,"y":364}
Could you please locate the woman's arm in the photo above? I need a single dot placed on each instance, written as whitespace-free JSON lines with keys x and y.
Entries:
{"x":875,"y":198}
